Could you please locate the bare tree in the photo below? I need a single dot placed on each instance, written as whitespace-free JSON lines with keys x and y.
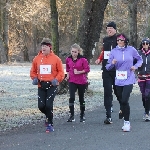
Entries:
{"x":91,"y":25}
{"x":132,"y":5}
{"x":3,"y":31}
{"x":54,"y":26}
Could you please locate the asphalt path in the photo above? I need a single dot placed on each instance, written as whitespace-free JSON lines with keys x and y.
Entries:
{"x":91,"y":135}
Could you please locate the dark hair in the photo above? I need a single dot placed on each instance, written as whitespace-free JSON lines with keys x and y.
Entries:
{"x":126,"y":39}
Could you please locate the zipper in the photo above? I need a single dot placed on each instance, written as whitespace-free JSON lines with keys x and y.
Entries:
{"x":123,"y":56}
{"x":146,"y":63}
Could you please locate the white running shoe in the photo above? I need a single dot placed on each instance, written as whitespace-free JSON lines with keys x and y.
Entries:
{"x":126,"y":127}
{"x":147,"y":117}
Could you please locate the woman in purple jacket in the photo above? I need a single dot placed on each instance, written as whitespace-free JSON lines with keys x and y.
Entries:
{"x":122,"y":58}
{"x":77,"y":68}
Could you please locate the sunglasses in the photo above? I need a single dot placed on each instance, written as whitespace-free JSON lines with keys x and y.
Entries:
{"x":74,"y":52}
{"x":120,"y":40}
{"x":145,"y":43}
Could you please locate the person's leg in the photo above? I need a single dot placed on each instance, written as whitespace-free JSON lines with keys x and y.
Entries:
{"x":113,"y":75}
{"x":119,"y":94}
{"x":142,"y":84}
{"x":51,"y":92}
{"x":81,"y":91}
{"x":42,"y":100}
{"x":72,"y":90}
{"x":127,"y":89}
{"x":107,"y":84}
{"x":147,"y":100}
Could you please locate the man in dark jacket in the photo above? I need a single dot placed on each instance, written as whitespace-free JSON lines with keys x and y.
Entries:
{"x":109,"y":42}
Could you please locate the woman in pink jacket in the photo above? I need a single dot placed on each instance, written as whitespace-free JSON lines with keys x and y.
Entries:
{"x":77,"y":68}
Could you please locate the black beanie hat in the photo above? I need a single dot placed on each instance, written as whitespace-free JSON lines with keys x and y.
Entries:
{"x":146,"y":40}
{"x":111,"y":24}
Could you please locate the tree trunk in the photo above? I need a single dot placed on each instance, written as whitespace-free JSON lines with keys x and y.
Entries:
{"x":91,"y":25}
{"x":5,"y":29}
{"x":132,"y":5}
{"x":25,"y":40}
{"x":54,"y":26}
{"x":3,"y":53}
{"x":25,"y":53}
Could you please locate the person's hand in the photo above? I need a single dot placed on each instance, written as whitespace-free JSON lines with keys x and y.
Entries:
{"x":67,"y":77}
{"x":35,"y":81}
{"x":97,"y":61}
{"x":133,"y":68}
{"x":114,"y":61}
{"x":55,"y":82}
{"x":75,"y":71}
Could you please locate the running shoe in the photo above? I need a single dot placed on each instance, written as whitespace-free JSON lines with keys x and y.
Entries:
{"x":147,"y":117}
{"x":71,"y":119}
{"x":49,"y":128}
{"x":108,"y":121}
{"x":82,"y":118}
{"x":126,"y":127}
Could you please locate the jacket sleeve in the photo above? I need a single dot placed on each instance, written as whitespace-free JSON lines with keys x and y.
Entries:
{"x":86,"y":66}
{"x":109,"y":64}
{"x":33,"y":70}
{"x":101,"y":57}
{"x":67,"y":66}
{"x":138,"y":58}
{"x":60,"y":75}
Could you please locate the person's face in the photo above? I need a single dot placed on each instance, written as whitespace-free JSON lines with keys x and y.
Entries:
{"x":74,"y":52}
{"x":110,"y":31}
{"x":120,"y":42}
{"x":145,"y":45}
{"x":45,"y":49}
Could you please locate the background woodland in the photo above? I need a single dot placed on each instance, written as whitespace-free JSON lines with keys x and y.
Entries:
{"x":23,"y":24}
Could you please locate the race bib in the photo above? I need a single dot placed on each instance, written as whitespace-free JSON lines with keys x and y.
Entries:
{"x":121,"y":74}
{"x":106,"y":54}
{"x":45,"y":69}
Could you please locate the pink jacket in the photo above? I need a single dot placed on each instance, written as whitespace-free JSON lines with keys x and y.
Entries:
{"x":80,"y":64}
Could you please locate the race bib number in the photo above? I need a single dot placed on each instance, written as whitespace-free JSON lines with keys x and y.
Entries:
{"x":106,"y":54}
{"x":45,"y":69}
{"x":121,"y":74}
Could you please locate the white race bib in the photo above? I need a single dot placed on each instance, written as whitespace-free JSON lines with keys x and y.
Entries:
{"x":121,"y":74}
{"x":106,"y":54}
{"x":45,"y":69}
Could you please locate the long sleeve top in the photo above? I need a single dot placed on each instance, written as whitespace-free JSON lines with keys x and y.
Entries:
{"x":124,"y":57}
{"x":47,"y":68}
{"x":145,"y":68}
{"x":80,"y":64}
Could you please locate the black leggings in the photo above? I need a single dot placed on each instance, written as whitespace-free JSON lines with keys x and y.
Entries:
{"x":81,"y":90}
{"x":124,"y":94}
{"x":109,"y":86}
{"x":45,"y":102}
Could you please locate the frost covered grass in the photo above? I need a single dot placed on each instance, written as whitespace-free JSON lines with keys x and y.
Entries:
{"x":18,"y":97}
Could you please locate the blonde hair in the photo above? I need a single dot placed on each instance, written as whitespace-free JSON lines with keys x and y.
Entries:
{"x":76,"y":46}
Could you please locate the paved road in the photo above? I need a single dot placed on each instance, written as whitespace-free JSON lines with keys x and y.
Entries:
{"x":91,"y":135}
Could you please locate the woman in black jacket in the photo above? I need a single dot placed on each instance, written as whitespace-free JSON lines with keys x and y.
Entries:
{"x":144,"y":76}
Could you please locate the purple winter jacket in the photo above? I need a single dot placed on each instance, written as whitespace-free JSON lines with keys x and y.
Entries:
{"x":124,"y":57}
{"x":80,"y":64}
